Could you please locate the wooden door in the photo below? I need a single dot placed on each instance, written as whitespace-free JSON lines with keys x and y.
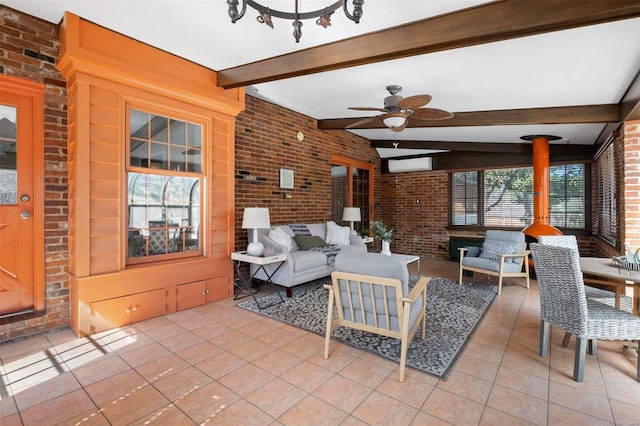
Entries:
{"x":20,"y":290}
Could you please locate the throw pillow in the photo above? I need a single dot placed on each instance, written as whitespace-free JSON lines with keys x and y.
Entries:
{"x":492,"y":251}
{"x":330,"y":227}
{"x":338,"y":235}
{"x":281,"y":237}
{"x":309,"y":241}
{"x":472,"y":251}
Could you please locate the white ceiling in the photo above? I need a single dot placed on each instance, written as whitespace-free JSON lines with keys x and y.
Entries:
{"x":584,"y":66}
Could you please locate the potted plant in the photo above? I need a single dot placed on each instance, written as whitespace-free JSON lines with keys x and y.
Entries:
{"x":380,"y":232}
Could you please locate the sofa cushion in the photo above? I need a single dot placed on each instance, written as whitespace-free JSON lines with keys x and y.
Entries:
{"x":338,"y":235}
{"x":319,"y":229}
{"x":305,"y":242}
{"x":306,"y":260}
{"x":291,"y":234}
{"x":281,"y":237}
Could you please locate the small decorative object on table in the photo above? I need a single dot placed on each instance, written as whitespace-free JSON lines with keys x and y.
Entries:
{"x":380,"y":232}
{"x":630,"y":262}
{"x":270,"y":251}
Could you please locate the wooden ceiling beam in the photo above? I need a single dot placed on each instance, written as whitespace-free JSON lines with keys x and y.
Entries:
{"x":630,"y":105}
{"x":485,"y":147}
{"x":451,"y":161}
{"x":468,"y":161}
{"x":553,"y":115}
{"x":485,"y":23}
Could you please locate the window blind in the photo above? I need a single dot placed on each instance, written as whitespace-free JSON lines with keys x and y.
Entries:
{"x":607,"y":171}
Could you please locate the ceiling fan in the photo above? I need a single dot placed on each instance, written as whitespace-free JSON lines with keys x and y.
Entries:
{"x":397,"y":110}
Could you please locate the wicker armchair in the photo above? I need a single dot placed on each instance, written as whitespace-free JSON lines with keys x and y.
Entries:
{"x":371,"y":293}
{"x":563,"y":303}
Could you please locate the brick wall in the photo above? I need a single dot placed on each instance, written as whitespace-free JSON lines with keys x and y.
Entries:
{"x":266,"y":142}
{"x":28,"y":50}
{"x":631,"y":186}
{"x":415,"y":206}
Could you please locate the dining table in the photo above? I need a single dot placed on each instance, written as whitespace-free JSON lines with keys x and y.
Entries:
{"x":599,"y":270}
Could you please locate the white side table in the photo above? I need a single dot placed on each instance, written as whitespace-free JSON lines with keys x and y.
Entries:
{"x":245,"y":286}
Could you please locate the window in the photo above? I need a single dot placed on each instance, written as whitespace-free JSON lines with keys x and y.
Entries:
{"x":567,"y":196}
{"x":506,"y":197}
{"x":8,"y":155}
{"x":464,"y":198}
{"x":164,"y":179}
{"x":352,"y":186}
{"x":606,"y":183}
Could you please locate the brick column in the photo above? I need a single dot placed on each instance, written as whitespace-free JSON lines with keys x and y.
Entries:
{"x":630,"y":208}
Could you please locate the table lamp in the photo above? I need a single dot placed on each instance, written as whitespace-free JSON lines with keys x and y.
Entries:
{"x":255,"y":218}
{"x":351,"y":214}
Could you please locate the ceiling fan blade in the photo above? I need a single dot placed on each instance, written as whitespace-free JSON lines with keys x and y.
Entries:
{"x":414,"y":102}
{"x":369,"y":109}
{"x":431,"y":114}
{"x":365,"y":120}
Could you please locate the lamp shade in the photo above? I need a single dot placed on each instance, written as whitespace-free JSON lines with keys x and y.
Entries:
{"x":393,"y":121}
{"x":351,"y":214}
{"x":256,"y":218}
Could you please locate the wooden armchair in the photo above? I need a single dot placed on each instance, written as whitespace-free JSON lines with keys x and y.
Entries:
{"x":379,"y":302}
{"x":502,"y":255}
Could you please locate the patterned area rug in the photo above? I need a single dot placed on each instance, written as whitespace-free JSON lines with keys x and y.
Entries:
{"x":453,"y":312}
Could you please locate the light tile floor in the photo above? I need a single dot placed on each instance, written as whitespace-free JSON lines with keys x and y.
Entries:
{"x":218,"y":364}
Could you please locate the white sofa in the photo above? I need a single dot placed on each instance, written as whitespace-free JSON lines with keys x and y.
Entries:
{"x":301,"y":266}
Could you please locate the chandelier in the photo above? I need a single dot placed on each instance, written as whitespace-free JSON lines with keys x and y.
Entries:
{"x":324,"y":15}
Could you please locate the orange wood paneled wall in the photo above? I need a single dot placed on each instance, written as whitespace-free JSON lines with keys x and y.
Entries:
{"x":104,"y":71}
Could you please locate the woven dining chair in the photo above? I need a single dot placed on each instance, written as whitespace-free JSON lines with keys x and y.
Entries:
{"x":563,"y":303}
{"x":591,"y":292}
{"x":568,"y":241}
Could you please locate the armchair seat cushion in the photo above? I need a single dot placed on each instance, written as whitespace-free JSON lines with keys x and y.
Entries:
{"x":491,"y":265}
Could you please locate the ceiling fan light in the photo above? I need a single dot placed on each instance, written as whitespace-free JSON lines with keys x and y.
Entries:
{"x":393,"y":121}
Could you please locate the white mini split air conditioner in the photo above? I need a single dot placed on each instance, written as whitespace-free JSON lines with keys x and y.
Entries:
{"x":411,"y":165}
